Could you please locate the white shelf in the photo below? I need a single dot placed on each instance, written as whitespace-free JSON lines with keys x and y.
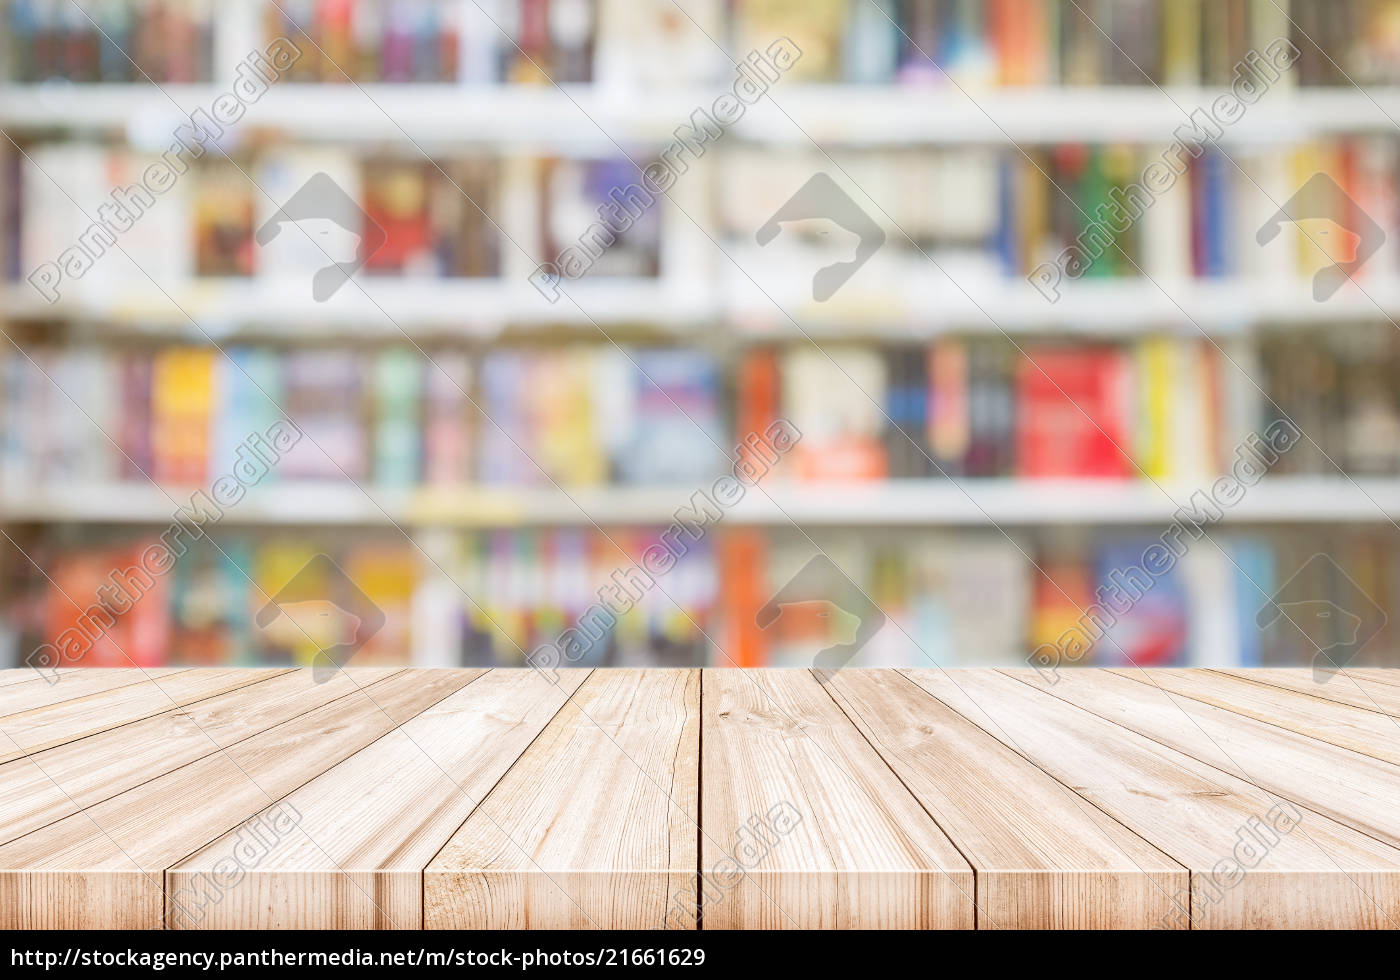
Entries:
{"x":483,"y":308}
{"x":1124,"y":307}
{"x":475,"y":308}
{"x":900,"y":503}
{"x":586,"y":118}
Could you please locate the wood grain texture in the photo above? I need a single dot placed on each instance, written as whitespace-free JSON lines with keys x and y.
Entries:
{"x":596,"y":823}
{"x":1377,"y":675}
{"x":805,"y":825}
{"x":1308,"y":872}
{"x":60,"y":781}
{"x":371,"y":824}
{"x":868,"y":798}
{"x":39,"y":728}
{"x":1044,"y":858}
{"x":70,"y":685}
{"x":1367,"y":732}
{"x":1349,"y":688}
{"x":23,"y":675}
{"x":104,"y":867}
{"x":1352,"y":788}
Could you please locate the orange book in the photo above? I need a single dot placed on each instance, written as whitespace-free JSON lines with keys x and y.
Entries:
{"x":743,"y":564}
{"x":145,"y":628}
{"x":1010,"y":30}
{"x":1062,"y":591}
{"x":385,"y":575}
{"x":759,"y":394}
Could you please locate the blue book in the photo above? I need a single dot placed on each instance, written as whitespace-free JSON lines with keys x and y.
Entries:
{"x":1254,"y":586}
{"x":1154,"y":630}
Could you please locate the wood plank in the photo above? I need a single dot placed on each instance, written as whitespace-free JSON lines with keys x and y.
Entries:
{"x":79,"y":682}
{"x":104,"y":868}
{"x":23,"y":675}
{"x":1315,"y":873}
{"x":1044,"y":858}
{"x":1349,"y":787}
{"x":1347,"y":688}
{"x":1377,"y":675}
{"x":840,"y":844}
{"x":56,"y":782}
{"x":41,"y":728}
{"x":372,"y":823}
{"x":594,"y":826}
{"x":1367,"y":732}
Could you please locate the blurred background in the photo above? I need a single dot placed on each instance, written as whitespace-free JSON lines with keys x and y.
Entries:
{"x":479,"y":455}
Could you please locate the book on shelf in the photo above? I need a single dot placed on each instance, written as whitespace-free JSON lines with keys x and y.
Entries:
{"x":1161,"y":408}
{"x":984,"y":216}
{"x":439,"y":41}
{"x":1165,"y":409}
{"x":160,"y":41}
{"x":585,"y":415}
{"x":970,"y":43}
{"x":948,"y":598}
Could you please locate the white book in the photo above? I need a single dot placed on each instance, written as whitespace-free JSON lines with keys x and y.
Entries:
{"x":436,"y":621}
{"x":1166,"y":227}
{"x":304,"y":226}
{"x":833,"y":393}
{"x":988,"y":591}
{"x":1267,"y":187}
{"x":1209,"y":580}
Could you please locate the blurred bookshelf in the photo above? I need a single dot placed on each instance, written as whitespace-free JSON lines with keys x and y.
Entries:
{"x":976,"y":457}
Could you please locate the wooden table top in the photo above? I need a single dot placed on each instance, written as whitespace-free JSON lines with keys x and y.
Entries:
{"x":405,"y":798}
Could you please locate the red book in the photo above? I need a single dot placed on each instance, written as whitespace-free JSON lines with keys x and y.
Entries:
{"x":85,"y":633}
{"x":396,"y":199}
{"x":1072,"y":413}
{"x":145,"y":627}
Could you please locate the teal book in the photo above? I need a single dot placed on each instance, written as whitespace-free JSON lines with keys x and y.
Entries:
{"x":398,"y":397}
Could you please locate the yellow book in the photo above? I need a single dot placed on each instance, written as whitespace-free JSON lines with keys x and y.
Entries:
{"x":1181,"y":42}
{"x":182,"y":395}
{"x":817,"y":27}
{"x":1034,"y":210}
{"x":287,"y":573}
{"x":1153,"y":436}
{"x":1312,"y":234}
